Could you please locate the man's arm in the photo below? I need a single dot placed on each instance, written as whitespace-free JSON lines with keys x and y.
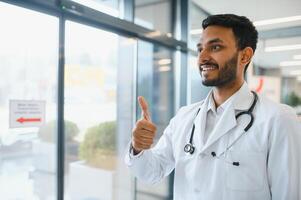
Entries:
{"x":284,"y":157}
{"x":146,"y":163}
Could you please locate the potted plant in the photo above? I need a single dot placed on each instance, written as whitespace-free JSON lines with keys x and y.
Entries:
{"x":44,"y":149}
{"x":97,"y":167}
{"x":293,"y":99}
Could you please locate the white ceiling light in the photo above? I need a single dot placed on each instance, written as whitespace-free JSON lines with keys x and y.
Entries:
{"x":283,"y":48}
{"x":297,"y":57}
{"x":295,"y":72}
{"x":290,"y":63}
{"x":153,"y":34}
{"x":196,"y":31}
{"x":164,"y":68}
{"x":169,"y":35}
{"x":164,"y":61}
{"x":277,"y":20}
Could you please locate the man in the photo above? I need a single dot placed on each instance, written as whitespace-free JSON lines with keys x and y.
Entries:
{"x":233,"y":144}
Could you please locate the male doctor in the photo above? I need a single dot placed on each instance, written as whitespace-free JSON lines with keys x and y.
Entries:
{"x":233,"y":145}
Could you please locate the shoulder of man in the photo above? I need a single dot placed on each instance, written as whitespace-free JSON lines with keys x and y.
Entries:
{"x":268,"y":107}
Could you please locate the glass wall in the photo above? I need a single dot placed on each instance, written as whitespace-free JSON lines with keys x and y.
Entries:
{"x":106,"y":68}
{"x":196,"y":16}
{"x":95,"y":138}
{"x":196,"y":90}
{"x":156,"y":83}
{"x":110,"y":7}
{"x":104,"y":74}
{"x":28,"y":103}
{"x":154,"y":15}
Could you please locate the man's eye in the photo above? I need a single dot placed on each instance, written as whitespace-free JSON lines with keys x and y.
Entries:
{"x":216,"y":47}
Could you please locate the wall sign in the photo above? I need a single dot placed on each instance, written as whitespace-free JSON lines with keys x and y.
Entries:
{"x":26,"y":113}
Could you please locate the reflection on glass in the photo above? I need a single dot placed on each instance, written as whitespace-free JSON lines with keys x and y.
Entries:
{"x":154,"y":15}
{"x":156,"y":84}
{"x":28,"y":68}
{"x":93,"y":170}
{"x":110,"y":7}
{"x":196,"y":16}
{"x":196,"y":90}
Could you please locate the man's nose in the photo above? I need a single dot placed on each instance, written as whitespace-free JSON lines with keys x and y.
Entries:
{"x":203,"y":56}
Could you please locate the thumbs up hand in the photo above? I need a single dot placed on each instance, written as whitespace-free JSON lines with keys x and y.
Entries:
{"x":144,"y":107}
{"x":144,"y":131}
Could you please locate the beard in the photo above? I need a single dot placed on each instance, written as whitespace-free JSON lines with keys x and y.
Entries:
{"x":226,"y":74}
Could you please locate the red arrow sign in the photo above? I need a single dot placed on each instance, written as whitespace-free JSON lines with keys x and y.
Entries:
{"x":22,"y":120}
{"x":260,"y":85}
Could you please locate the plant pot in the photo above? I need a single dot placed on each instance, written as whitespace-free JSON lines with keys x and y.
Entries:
{"x":86,"y":182}
{"x":44,"y":156}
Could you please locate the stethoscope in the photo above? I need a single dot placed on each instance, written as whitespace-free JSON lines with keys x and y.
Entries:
{"x":189,"y":148}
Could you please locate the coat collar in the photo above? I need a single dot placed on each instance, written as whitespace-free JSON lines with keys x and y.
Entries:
{"x":241,"y":100}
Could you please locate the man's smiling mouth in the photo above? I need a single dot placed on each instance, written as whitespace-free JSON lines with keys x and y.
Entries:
{"x":208,"y":67}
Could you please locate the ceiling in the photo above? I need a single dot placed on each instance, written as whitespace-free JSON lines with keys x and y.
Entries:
{"x":257,"y":10}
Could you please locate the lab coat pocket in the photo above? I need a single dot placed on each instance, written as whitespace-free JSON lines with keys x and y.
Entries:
{"x":249,"y":174}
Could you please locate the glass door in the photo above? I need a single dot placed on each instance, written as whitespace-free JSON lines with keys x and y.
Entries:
{"x":28,"y":103}
{"x":99,"y":93}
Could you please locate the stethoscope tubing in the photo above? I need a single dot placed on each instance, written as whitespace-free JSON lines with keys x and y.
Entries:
{"x":189,"y":148}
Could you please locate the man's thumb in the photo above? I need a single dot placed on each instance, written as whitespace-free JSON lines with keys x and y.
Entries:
{"x":144,"y":107}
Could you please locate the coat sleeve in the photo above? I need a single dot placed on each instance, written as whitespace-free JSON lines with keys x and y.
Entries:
{"x":284,"y":157}
{"x":150,"y":166}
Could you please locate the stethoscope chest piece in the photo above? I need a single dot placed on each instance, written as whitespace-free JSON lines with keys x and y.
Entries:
{"x":189,"y":148}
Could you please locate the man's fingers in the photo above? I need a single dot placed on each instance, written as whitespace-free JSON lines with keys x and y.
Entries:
{"x":144,"y":107}
{"x":147,"y":141}
{"x":146,"y":125}
{"x":145,"y":130}
{"x":141,"y":145}
{"x":144,"y":134}
{"x":143,"y":104}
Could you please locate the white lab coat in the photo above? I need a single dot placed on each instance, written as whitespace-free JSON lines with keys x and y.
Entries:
{"x":269,"y":153}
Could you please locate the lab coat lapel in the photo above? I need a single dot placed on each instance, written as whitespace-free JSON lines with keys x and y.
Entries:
{"x":241,"y":101}
{"x":200,"y":123}
{"x":225,"y":124}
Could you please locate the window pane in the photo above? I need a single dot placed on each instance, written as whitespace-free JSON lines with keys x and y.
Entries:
{"x":96,"y":70}
{"x":28,"y":68}
{"x":155,"y":83}
{"x":196,"y":90}
{"x":154,"y":14}
{"x":196,"y":16}
{"x":110,"y":7}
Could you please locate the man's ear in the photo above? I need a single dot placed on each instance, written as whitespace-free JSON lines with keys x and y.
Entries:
{"x":247,"y":54}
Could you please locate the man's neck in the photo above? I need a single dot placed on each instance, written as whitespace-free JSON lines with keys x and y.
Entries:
{"x":221,"y":94}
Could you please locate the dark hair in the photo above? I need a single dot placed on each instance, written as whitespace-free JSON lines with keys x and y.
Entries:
{"x":244,"y":31}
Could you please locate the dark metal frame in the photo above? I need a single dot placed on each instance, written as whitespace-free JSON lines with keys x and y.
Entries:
{"x":69,"y":10}
{"x":60,"y":111}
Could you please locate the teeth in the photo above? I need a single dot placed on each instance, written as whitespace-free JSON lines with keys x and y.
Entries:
{"x":208,"y":68}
